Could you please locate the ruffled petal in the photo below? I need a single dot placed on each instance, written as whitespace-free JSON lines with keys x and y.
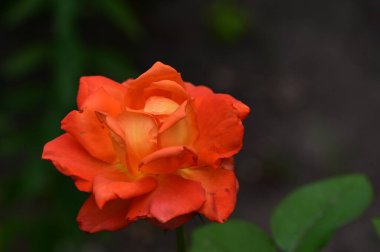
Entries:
{"x":220,"y":129}
{"x":221,"y":188}
{"x":71,"y":159}
{"x":90,"y":84}
{"x":91,"y":133}
{"x":117,"y":185}
{"x":112,"y":217}
{"x":159,"y":76}
{"x":168,"y":160}
{"x":173,"y":197}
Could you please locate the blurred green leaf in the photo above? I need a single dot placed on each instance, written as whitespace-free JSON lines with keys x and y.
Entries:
{"x":306,"y":219}
{"x":234,"y":235}
{"x":121,"y":14}
{"x":228,"y":20}
{"x":20,"y":10}
{"x":25,"y":60}
{"x":376,"y":223}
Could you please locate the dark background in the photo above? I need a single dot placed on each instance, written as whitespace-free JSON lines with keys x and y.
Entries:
{"x":308,"y":69}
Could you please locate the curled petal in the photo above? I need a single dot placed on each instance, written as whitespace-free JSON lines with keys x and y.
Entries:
{"x":179,"y":128}
{"x":197,"y":91}
{"x":173,"y":197}
{"x":69,"y":157}
{"x":117,"y":185}
{"x":112,"y":217}
{"x":90,"y":84}
{"x":91,"y":133}
{"x":168,"y":160}
{"x":221,"y":188}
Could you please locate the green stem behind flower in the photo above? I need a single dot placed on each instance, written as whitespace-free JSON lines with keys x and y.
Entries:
{"x":180,"y":233}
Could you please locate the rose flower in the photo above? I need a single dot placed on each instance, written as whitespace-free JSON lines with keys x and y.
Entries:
{"x":154,"y":148}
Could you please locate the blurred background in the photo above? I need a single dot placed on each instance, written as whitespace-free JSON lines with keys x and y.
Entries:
{"x":309,"y":69}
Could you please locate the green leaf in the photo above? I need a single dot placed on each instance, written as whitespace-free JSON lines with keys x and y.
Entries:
{"x":306,"y":219}
{"x":121,"y":14}
{"x":21,"y":10}
{"x":234,"y":235}
{"x":25,"y":60}
{"x":376,"y":223}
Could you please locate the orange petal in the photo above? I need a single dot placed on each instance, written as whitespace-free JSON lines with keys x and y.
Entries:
{"x":136,"y":88}
{"x":168,"y":160}
{"x":241,"y":109}
{"x":140,"y":134}
{"x":197,"y":91}
{"x":112,"y":217}
{"x":86,"y":128}
{"x":173,"y":197}
{"x":102,"y":102}
{"x":179,"y":128}
{"x":158,"y":105}
{"x":116,"y":185}
{"x":166,"y":88}
{"x":69,"y":157}
{"x":221,"y":188}
{"x":90,"y":84}
{"x":220,"y":129}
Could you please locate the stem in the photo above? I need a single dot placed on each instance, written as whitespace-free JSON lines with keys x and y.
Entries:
{"x":180,"y":233}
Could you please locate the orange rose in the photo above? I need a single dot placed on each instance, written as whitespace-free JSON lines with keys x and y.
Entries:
{"x":153,"y":148}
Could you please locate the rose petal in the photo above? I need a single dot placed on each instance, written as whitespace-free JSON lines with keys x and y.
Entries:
{"x":86,"y":128}
{"x":117,"y":185}
{"x":221,"y":188}
{"x":173,"y":197}
{"x":140,"y":134}
{"x":168,"y":160}
{"x":101,"y":101}
{"x":112,"y":217}
{"x":242,"y":110}
{"x":179,"y":128}
{"x":90,"y":84}
{"x":220,"y":129}
{"x":71,"y":159}
{"x":158,"y":105}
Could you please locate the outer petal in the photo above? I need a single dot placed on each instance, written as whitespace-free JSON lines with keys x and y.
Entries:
{"x":221,"y":188}
{"x":69,"y":157}
{"x":86,"y":128}
{"x":168,"y":160}
{"x":197,"y":91}
{"x":103,"y":102}
{"x":112,"y":217}
{"x":90,"y":84}
{"x":116,"y":185}
{"x":220,"y":129}
{"x":242,"y":110}
{"x":173,"y":197}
